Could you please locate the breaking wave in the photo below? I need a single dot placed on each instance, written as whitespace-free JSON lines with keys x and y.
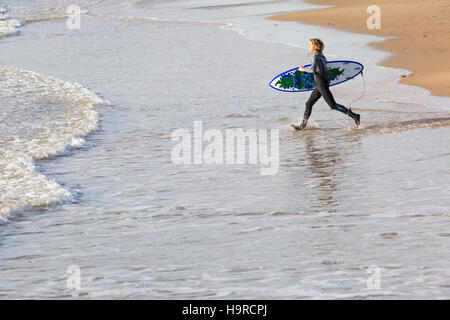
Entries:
{"x":40,"y":116}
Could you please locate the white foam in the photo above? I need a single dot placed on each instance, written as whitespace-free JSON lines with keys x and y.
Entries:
{"x":44,"y":116}
{"x":8,"y":26}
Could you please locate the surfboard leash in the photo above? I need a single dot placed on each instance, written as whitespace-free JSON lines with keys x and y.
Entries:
{"x":364,"y":91}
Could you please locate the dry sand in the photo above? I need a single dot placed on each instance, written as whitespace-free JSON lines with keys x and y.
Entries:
{"x":422,"y":28}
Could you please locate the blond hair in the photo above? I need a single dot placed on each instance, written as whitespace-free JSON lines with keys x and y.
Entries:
{"x":318,"y":44}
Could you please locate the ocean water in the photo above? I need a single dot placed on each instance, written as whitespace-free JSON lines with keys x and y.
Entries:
{"x":87,"y":177}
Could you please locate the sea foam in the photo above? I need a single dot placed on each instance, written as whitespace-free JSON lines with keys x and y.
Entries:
{"x":8,"y":26}
{"x":40,"y":117}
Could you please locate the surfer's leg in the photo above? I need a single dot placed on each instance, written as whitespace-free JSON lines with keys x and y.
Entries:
{"x":329,"y":99}
{"x":315,"y":95}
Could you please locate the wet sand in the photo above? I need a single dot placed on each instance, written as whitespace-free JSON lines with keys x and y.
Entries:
{"x":421,"y":31}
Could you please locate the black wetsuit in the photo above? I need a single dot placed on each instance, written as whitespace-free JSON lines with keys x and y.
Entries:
{"x":322,"y":89}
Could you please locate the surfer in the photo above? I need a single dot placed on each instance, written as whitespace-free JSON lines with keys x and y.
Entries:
{"x":318,"y":67}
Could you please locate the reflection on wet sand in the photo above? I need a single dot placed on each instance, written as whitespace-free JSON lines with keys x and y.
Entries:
{"x":324,"y":157}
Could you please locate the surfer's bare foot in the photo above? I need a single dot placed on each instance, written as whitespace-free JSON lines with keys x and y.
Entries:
{"x":300,"y":126}
{"x":355,"y":116}
{"x":357,"y":120}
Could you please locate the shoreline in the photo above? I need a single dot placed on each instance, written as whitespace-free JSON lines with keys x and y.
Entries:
{"x":421,"y":32}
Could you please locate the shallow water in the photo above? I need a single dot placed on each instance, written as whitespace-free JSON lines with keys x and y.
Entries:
{"x":139,"y":226}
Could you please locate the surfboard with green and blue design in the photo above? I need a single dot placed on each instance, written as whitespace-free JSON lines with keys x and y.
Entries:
{"x":295,"y":80}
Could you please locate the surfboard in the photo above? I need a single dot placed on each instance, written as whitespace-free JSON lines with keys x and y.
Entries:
{"x":294,"y":80}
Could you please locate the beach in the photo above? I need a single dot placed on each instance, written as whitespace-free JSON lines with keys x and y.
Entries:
{"x":419,"y":31}
{"x":88,"y":181}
